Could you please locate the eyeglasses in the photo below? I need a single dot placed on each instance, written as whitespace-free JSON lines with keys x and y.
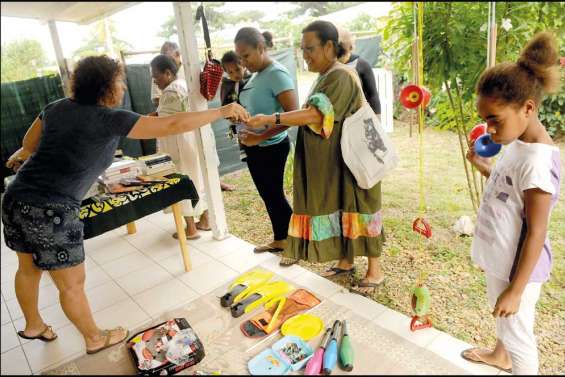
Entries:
{"x":309,"y":49}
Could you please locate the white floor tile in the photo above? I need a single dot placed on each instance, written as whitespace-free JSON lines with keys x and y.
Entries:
{"x":156,"y":244}
{"x":165,"y":296}
{"x":127,"y":265}
{"x":115,"y":249}
{"x":52,"y":315}
{"x":363,"y":306}
{"x":9,"y":337}
{"x":9,"y":259}
{"x":143,"y":279}
{"x":208,"y":277}
{"x":242,"y":261}
{"x":8,"y":274}
{"x":126,"y":314}
{"x":48,"y":295}
{"x":9,"y":288}
{"x":450,"y":349}
{"x":165,"y":221}
{"x":218,"y":249}
{"x":399,"y":324}
{"x":317,"y":284}
{"x":105,"y":295}
{"x":14,"y":362}
{"x":175,"y":265}
{"x":95,"y":277}
{"x":5,"y":313}
{"x":42,"y":355}
{"x":288,"y":272}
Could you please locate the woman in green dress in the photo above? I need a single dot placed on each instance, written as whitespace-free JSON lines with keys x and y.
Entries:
{"x":333,"y":218}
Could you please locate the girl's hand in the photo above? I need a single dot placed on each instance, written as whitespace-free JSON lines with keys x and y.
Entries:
{"x":259,"y":121}
{"x":249,"y":139}
{"x":17,"y":159}
{"x":483,"y":164}
{"x":234,"y":112}
{"x":508,"y":303}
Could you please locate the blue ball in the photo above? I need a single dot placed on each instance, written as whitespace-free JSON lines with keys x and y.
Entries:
{"x":485,"y":147}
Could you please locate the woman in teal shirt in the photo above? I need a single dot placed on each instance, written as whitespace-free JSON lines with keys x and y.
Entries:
{"x":270,"y":90}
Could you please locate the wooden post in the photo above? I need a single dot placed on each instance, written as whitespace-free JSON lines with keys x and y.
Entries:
{"x":131,"y":228}
{"x":63,"y":69}
{"x":177,"y":213}
{"x":204,"y":135}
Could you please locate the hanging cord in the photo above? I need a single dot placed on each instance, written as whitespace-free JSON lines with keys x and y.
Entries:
{"x":420,"y":82}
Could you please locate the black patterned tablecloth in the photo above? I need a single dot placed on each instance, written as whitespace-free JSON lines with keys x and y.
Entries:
{"x":102,"y":216}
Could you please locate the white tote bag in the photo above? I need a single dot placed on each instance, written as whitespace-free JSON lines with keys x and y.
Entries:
{"x":367,"y":150}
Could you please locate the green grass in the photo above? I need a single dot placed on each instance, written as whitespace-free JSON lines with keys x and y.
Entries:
{"x":459,"y":305}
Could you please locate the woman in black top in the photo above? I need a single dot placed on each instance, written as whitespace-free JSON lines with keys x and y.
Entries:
{"x":363,"y":68}
{"x":66,"y":148}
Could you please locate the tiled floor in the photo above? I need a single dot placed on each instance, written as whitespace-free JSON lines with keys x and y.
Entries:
{"x":134,"y":278}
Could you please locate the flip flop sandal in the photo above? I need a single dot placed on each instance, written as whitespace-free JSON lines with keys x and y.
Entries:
{"x":339,"y":271}
{"x":286,"y":262}
{"x":193,"y":237}
{"x":107,"y":344}
{"x":366,"y":284}
{"x":41,"y":336}
{"x":264,"y":249}
{"x":508,"y":370}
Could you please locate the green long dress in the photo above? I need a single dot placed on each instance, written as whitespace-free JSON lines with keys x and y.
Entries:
{"x":333,"y":218}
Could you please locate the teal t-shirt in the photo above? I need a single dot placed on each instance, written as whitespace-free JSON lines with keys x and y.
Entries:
{"x":260,"y":94}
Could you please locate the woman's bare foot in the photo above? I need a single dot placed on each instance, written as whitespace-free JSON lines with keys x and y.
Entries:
{"x":481,"y":355}
{"x":203,"y":224}
{"x":43,"y":332}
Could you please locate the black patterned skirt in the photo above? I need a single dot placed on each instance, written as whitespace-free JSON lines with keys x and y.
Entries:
{"x":51,"y":232}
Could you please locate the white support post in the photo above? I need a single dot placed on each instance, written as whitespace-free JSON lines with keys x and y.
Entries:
{"x":204,"y":135}
{"x":63,"y":69}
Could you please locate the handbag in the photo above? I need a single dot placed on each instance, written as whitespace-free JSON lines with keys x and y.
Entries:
{"x":367,"y":150}
{"x":211,"y":75}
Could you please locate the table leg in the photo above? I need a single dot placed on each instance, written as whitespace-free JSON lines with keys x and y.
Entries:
{"x":131,"y":228}
{"x":177,"y":213}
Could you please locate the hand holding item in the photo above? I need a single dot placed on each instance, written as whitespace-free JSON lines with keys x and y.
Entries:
{"x":234,"y":112}
{"x":248,"y":138}
{"x":259,"y":121}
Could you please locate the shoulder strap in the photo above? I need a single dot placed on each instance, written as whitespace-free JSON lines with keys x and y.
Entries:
{"x":200,"y":14}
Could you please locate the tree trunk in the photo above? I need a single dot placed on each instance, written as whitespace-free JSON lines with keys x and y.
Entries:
{"x":461,"y":147}
{"x":464,"y":130}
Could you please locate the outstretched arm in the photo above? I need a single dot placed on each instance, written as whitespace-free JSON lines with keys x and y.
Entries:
{"x":148,"y":127}
{"x":292,"y":118}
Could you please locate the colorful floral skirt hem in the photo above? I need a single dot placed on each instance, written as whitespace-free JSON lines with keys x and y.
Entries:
{"x":334,"y":236}
{"x":51,"y":232}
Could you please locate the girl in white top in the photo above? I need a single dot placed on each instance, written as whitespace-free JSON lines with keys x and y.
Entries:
{"x":510,"y":242}
{"x":182,"y":147}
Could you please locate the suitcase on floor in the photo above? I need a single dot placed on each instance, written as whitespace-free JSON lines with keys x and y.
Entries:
{"x":166,"y":348}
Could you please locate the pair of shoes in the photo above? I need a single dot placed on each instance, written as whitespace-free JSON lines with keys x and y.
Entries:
{"x":193,"y":237}
{"x":286,"y":262}
{"x":41,"y":336}
{"x":339,"y":271}
{"x":107,"y":344}
{"x":265,"y":248}
{"x":472,"y":350}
